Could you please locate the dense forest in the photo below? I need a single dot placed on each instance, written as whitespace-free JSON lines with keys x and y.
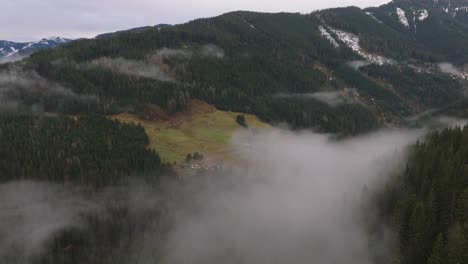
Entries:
{"x":89,"y":154}
{"x":271,"y":65}
{"x":427,"y":204}
{"x":89,"y":150}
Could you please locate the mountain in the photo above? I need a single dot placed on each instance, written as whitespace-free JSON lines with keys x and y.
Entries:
{"x":282,"y":67}
{"x":106,"y":119}
{"x":11,"y":51}
{"x":439,"y":26}
{"x":343,"y":70}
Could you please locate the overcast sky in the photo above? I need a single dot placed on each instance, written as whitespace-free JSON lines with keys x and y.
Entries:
{"x":26,"y":20}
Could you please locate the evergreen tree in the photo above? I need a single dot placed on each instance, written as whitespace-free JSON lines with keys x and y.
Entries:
{"x":188,"y":158}
{"x":240,"y":119}
{"x":456,"y":246}
{"x":437,"y":254}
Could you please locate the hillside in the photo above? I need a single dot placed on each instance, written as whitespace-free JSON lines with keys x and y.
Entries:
{"x":200,"y":128}
{"x":344,"y":71}
{"x":298,"y":69}
{"x":440,"y":27}
{"x":94,"y":132}
{"x":427,"y":204}
{"x":87,"y":151}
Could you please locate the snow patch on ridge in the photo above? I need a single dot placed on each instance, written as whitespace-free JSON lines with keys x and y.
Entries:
{"x":372,"y":15}
{"x":423,"y":14}
{"x":402,"y":17}
{"x":458,"y":9}
{"x":328,"y":36}
{"x":12,"y":51}
{"x":352,"y":41}
{"x":250,"y":24}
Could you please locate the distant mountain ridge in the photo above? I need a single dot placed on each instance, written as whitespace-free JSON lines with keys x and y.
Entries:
{"x":11,"y":51}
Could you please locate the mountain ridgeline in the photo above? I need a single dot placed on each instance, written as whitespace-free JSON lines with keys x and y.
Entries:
{"x":298,"y":69}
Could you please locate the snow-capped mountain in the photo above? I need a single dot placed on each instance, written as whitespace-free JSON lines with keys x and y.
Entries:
{"x":12,"y":51}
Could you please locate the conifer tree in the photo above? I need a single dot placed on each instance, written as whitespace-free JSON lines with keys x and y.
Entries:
{"x":437,"y":254}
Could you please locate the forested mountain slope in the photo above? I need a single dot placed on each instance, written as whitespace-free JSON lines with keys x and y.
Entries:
{"x":428,"y":203}
{"x":345,"y":71}
{"x":89,"y":151}
{"x":282,"y":67}
{"x":439,"y":26}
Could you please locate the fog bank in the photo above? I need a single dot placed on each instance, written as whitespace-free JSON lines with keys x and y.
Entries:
{"x":27,"y":88}
{"x":154,"y":66}
{"x":294,"y":197}
{"x":31,"y":213}
{"x":450,"y":69}
{"x":331,"y":98}
{"x":301,"y":198}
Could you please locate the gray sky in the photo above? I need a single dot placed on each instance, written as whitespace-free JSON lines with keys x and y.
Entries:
{"x":25,"y":20}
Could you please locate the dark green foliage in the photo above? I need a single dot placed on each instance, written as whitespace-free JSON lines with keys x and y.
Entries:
{"x":268,"y":62}
{"x":442,"y":36}
{"x":374,"y":37}
{"x":90,"y":150}
{"x":459,"y":109}
{"x":118,"y":91}
{"x":457,"y":251}
{"x":425,"y":90}
{"x":99,"y":157}
{"x":429,"y":205}
{"x":240,"y":119}
{"x":277,"y":56}
{"x":437,"y":254}
{"x":445,"y":36}
{"x":189,"y":157}
{"x":384,"y":98}
{"x":261,"y":56}
{"x":197,"y":156}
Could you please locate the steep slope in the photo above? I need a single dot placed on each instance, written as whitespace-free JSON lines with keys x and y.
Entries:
{"x":305,"y":70}
{"x":428,"y":202}
{"x":87,"y":150}
{"x":439,"y":26}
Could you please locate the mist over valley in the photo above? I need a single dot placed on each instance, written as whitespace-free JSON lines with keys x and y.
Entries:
{"x":330,"y":136}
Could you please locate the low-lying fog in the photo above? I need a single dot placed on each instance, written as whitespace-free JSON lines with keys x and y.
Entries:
{"x":449,"y":68}
{"x":299,"y":197}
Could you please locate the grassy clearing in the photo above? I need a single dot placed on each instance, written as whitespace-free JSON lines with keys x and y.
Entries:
{"x":200,"y":128}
